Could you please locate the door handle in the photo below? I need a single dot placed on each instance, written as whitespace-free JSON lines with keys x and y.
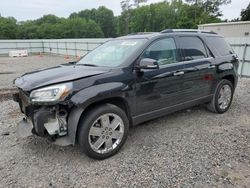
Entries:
{"x":211,"y":66}
{"x":164,"y":75}
{"x":178,"y":73}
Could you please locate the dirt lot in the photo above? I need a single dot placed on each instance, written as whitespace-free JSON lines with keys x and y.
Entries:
{"x":191,"y":148}
{"x":10,"y":68}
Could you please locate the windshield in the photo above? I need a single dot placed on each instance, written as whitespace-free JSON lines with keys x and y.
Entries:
{"x":112,"y":53}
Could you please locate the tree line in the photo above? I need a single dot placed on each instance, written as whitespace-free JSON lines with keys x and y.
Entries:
{"x":135,"y":17}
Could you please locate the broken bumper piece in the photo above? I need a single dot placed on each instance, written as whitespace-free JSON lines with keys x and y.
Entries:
{"x":24,"y":128}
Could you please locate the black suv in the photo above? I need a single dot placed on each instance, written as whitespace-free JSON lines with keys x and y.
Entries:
{"x":124,"y":82}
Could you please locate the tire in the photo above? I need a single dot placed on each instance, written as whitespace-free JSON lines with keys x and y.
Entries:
{"x":103,"y":131}
{"x":216,"y":105}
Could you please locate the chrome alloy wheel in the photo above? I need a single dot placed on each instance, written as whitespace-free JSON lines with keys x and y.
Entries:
{"x":225,"y":96}
{"x":106,"y":133}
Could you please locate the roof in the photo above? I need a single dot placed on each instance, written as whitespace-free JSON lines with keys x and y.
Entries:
{"x":187,"y":31}
{"x":225,"y":23}
{"x":140,"y":35}
{"x":149,"y":35}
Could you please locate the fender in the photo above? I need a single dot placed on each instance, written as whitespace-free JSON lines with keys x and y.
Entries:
{"x":98,"y":92}
{"x":88,"y":96}
{"x":228,"y":69}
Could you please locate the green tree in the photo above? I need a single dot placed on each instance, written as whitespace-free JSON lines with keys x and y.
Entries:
{"x":87,"y":14}
{"x":245,"y":14}
{"x":8,"y":28}
{"x":139,"y":20}
{"x":210,"y":6}
{"x":101,"y":22}
{"x":138,"y":2}
{"x":93,"y":30}
{"x":160,"y":16}
{"x":80,"y":28}
{"x":105,"y":18}
{"x":49,"y":19}
{"x":125,"y":17}
{"x":27,"y":30}
{"x":48,"y":27}
{"x":102,"y":16}
{"x":49,"y":31}
{"x":126,"y":6}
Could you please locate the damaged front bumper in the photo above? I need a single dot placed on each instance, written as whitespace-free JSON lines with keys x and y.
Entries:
{"x":45,"y":121}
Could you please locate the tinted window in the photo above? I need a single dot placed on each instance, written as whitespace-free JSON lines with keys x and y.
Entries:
{"x":193,"y":48}
{"x":221,"y":45}
{"x":164,"y":51}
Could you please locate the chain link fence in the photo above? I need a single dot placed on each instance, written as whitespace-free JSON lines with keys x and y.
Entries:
{"x":67,"y":47}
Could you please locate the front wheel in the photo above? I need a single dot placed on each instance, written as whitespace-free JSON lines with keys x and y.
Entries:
{"x":103,"y":131}
{"x":222,"y":98}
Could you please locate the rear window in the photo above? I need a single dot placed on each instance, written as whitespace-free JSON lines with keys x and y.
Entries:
{"x":220,"y":45}
{"x":193,"y":48}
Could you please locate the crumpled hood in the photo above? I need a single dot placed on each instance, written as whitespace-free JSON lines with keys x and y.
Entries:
{"x":62,"y":73}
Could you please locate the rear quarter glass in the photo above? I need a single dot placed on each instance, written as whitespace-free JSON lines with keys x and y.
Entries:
{"x":220,"y":44}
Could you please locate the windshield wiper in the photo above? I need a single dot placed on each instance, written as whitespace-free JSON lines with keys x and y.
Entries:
{"x":86,"y":64}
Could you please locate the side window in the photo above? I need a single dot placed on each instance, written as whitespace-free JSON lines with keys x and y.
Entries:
{"x":193,"y":48}
{"x":221,"y":45}
{"x":164,"y":51}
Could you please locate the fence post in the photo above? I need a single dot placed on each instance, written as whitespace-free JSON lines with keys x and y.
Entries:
{"x":49,"y":48}
{"x":43,"y":46}
{"x":57,"y":49}
{"x":66,"y":48}
{"x":243,"y":59}
{"x":30,"y":47}
{"x":75,"y":50}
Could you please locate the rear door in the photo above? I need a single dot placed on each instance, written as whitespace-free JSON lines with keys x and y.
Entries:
{"x":199,"y":67}
{"x":163,"y":87}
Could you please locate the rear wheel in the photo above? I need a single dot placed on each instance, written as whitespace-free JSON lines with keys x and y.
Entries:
{"x":222,"y":98}
{"x":103,"y":131}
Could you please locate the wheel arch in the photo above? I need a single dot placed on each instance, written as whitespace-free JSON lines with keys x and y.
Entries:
{"x":118,"y":101}
{"x":78,"y":113}
{"x":230,"y":78}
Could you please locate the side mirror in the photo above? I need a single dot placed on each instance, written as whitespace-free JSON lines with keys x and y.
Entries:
{"x":148,"y":63}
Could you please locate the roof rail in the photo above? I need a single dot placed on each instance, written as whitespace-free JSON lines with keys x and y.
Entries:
{"x":142,"y":33}
{"x":187,"y":30}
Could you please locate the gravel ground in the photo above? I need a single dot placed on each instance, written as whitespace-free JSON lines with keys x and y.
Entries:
{"x":190,"y":148}
{"x":10,"y":67}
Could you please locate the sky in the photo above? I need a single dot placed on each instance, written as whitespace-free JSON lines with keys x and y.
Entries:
{"x":32,"y":9}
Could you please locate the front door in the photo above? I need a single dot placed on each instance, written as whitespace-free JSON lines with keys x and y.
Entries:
{"x":163,"y":87}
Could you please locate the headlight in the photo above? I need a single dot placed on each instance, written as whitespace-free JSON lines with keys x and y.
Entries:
{"x":52,"y":93}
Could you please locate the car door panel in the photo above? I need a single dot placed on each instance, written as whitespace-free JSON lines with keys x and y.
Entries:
{"x":158,"y":89}
{"x":199,"y":75}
